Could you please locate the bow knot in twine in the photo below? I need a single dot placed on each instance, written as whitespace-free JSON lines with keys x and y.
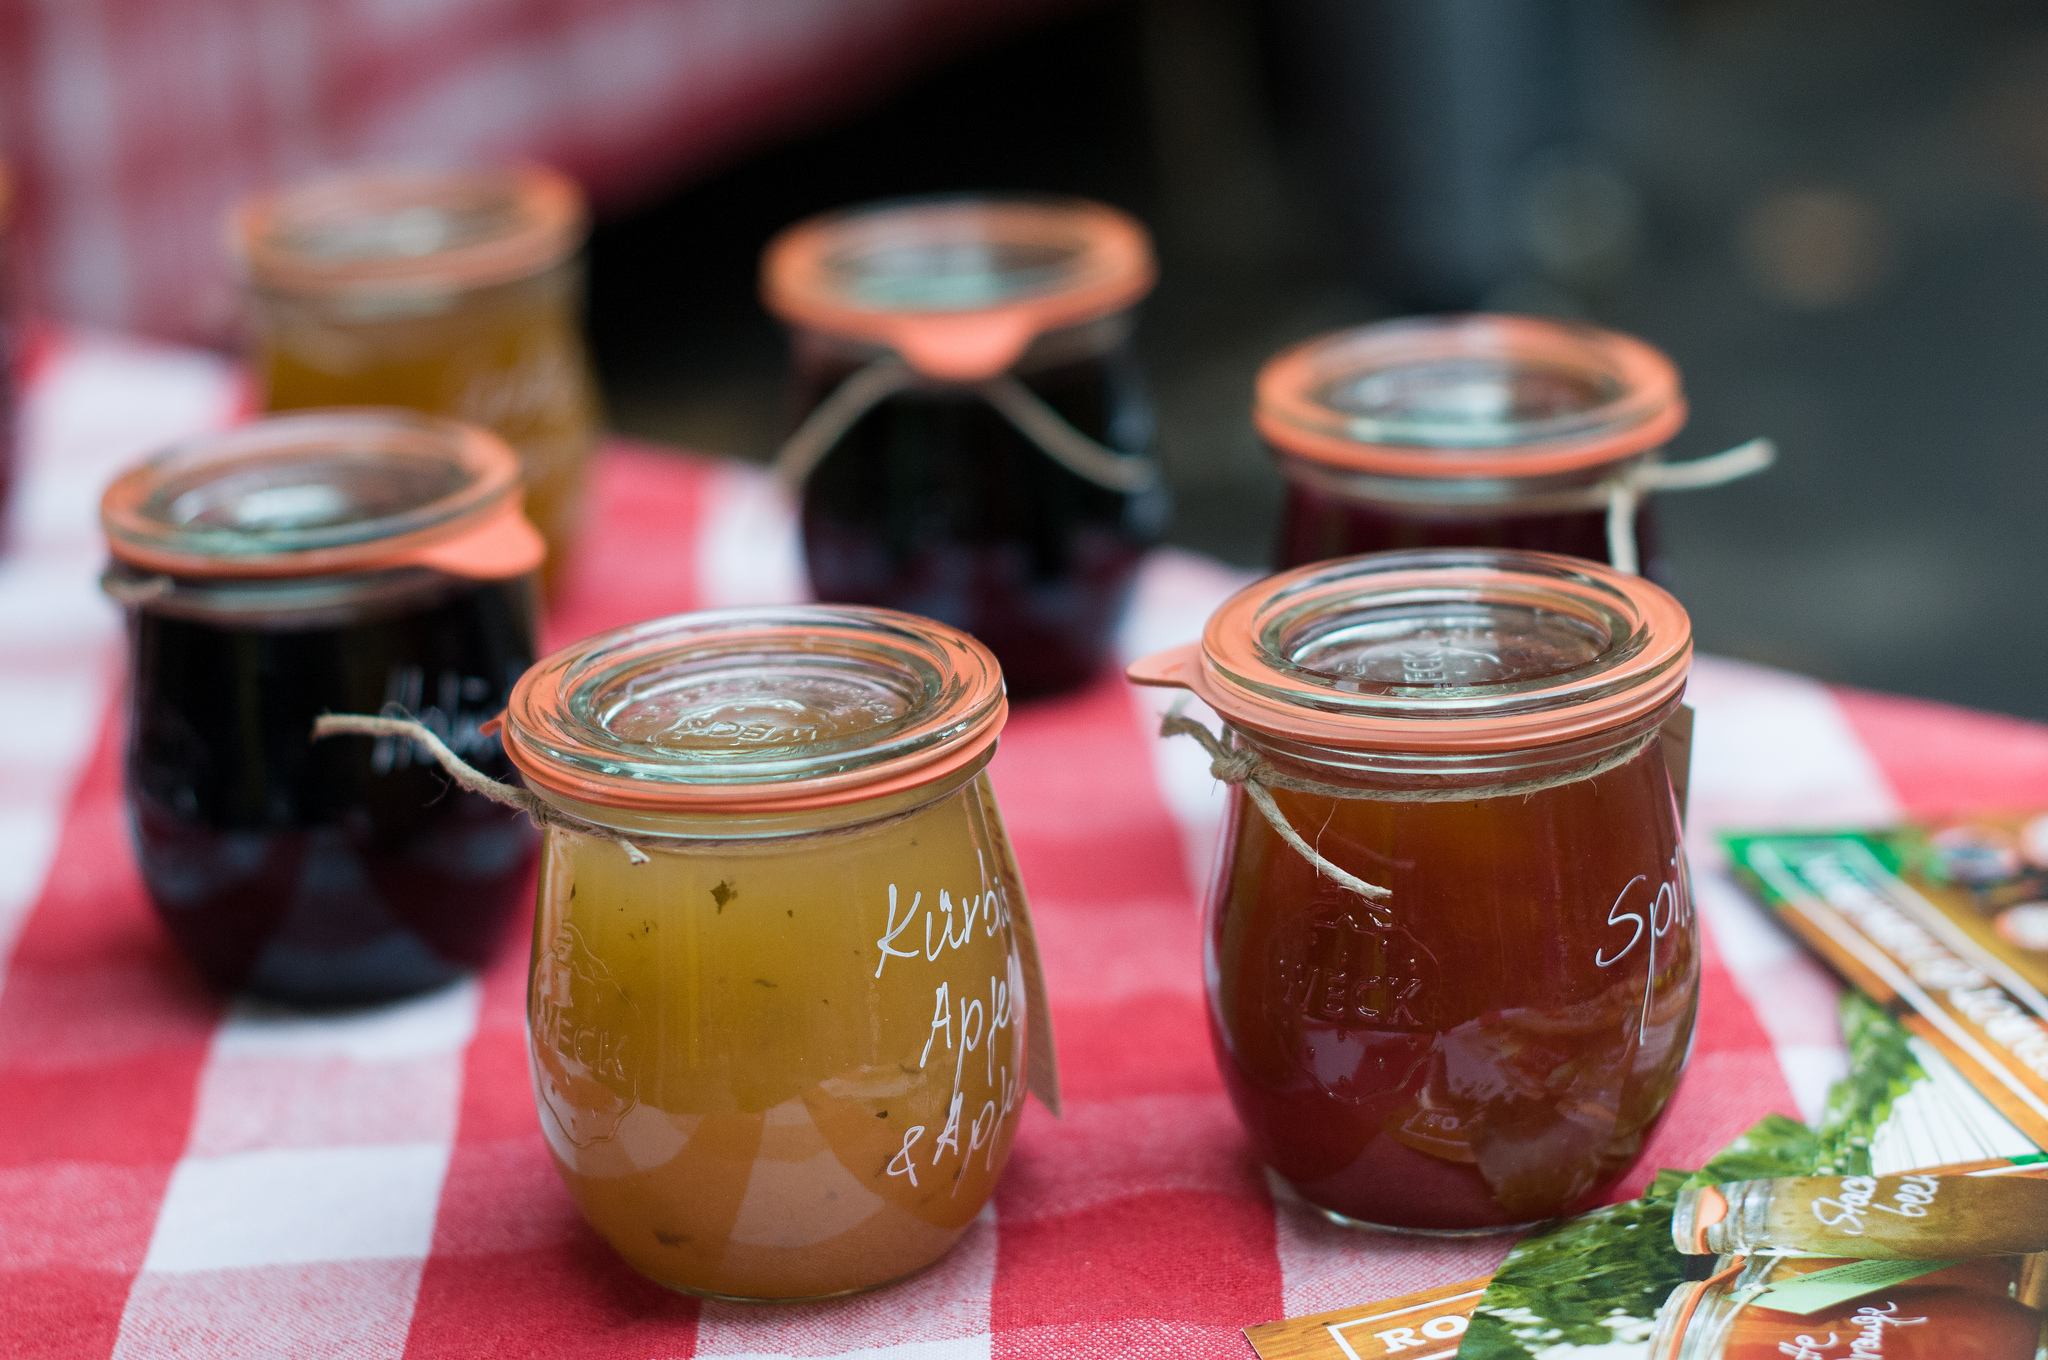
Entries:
{"x":1231,"y":767}
{"x":538,"y":810}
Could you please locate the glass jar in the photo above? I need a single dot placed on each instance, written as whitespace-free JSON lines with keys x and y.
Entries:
{"x":1984,"y":1309}
{"x":1466,"y":432}
{"x":1915,"y":1216}
{"x":455,"y":292}
{"x":778,"y":1007}
{"x":324,"y":561}
{"x":976,"y":443}
{"x":1451,"y":956}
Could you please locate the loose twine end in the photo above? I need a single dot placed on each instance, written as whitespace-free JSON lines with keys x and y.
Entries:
{"x":540,"y":812}
{"x":1251,"y":772}
{"x":1248,"y":771}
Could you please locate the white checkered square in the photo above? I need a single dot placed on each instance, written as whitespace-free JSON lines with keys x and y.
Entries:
{"x":420,"y":1027}
{"x":343,"y":1310}
{"x":942,"y":1314}
{"x":282,"y":1206}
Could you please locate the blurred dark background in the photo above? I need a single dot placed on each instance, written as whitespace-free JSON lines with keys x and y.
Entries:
{"x":1833,"y":214}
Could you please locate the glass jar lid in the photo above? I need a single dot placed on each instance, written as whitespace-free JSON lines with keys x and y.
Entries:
{"x":322,"y":492}
{"x":749,"y":710}
{"x":1442,"y":650}
{"x":959,"y":286}
{"x":1468,"y":397}
{"x":409,"y":231}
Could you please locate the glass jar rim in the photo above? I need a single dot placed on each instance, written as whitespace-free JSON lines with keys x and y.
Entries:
{"x":1423,"y":397}
{"x":1436,"y":651}
{"x":749,"y":710}
{"x":323,"y":492}
{"x":959,"y":285}
{"x":409,"y":230}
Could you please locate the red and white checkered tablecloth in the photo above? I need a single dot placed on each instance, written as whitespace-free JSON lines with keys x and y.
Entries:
{"x":131,"y":125}
{"x":184,"y":1176}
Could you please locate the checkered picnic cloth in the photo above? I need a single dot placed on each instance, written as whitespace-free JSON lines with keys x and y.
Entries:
{"x":185,"y":1176}
{"x":131,"y":125}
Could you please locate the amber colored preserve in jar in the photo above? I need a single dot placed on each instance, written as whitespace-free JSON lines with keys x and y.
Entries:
{"x":976,"y":443}
{"x":456,"y":292}
{"x":1464,"y":431}
{"x":784,"y":1056}
{"x":343,"y":561}
{"x":1482,"y":1031}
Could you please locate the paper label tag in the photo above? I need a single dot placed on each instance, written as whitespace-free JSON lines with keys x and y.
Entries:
{"x":1420,"y":1326}
{"x":1823,"y":1289}
{"x":1041,"y":1058}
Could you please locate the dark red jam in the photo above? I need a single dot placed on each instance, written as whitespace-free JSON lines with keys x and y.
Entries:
{"x":1316,"y":524}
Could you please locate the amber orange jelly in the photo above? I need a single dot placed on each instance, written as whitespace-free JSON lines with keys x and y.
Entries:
{"x":452,"y":292}
{"x":1479,"y":1029}
{"x":779,"y":1046}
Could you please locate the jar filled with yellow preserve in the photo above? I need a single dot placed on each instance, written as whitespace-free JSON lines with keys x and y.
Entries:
{"x":456,"y":292}
{"x":782,"y":970}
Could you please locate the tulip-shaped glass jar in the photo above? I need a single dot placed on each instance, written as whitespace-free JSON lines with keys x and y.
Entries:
{"x":777,"y":1012}
{"x":345,"y":561}
{"x":456,"y":292}
{"x":1451,"y":957}
{"x":1465,"y":431}
{"x":976,"y":439}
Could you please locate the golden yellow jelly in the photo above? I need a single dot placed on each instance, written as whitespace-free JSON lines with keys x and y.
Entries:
{"x":507,"y":358}
{"x":777,"y":1014}
{"x":787,"y":1068}
{"x":781,"y":1069}
{"x":453,"y":293}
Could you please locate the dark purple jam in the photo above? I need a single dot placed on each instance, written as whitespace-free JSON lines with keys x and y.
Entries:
{"x":934,"y":504}
{"x":346,"y":870}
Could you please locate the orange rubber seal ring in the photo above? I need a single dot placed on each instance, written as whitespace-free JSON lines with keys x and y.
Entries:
{"x":1112,"y":269}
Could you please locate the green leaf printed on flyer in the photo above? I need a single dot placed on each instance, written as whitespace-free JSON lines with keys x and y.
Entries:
{"x":1808,"y":1294}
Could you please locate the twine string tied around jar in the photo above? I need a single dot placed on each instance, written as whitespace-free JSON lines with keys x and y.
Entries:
{"x":538,"y":810}
{"x":1619,"y":496}
{"x":1027,"y":412}
{"x":1252,"y":772}
{"x":1622,"y":494}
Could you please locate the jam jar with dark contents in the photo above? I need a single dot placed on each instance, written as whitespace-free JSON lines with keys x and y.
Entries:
{"x":1464,"y":431}
{"x":976,"y":440}
{"x":343,"y":561}
{"x":1480,"y":1027}
{"x":454,"y":292}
